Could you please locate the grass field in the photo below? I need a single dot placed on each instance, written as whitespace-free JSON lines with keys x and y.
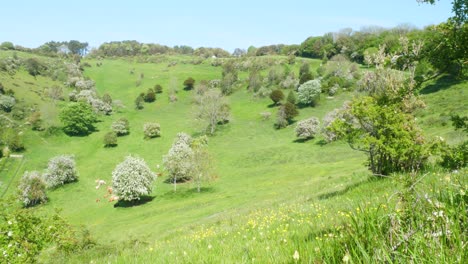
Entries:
{"x":258,"y":168}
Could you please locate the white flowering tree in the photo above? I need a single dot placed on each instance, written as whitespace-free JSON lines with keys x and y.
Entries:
{"x":309,"y":92}
{"x":151,"y":130}
{"x":61,"y":170}
{"x":179,"y":161}
{"x":121,"y":127}
{"x":32,"y":189}
{"x":308,"y":128}
{"x":132,"y":179}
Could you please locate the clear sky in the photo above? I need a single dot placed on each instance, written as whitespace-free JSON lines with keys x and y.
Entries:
{"x":209,"y":23}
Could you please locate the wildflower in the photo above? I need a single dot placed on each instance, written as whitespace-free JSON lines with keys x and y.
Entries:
{"x":296,"y":256}
{"x":346,"y":258}
{"x":150,"y":249}
{"x":9,"y":222}
{"x":185,"y":253}
{"x":10,"y":233}
{"x":210,"y":246}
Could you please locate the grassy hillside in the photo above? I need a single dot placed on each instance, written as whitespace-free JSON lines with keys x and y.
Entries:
{"x":306,"y":188}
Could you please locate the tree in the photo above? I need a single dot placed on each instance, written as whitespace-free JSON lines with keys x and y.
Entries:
{"x":139,"y":102}
{"x":202,"y":161}
{"x":61,"y":170}
{"x":213,"y":109}
{"x":276,"y":96}
{"x":78,"y":119}
{"x":121,"y":127}
{"x":291,"y":97}
{"x":308,"y":128}
{"x":32,"y":189}
{"x":106,"y":98}
{"x":110,"y":139}
{"x":6,"y":45}
{"x":7,"y":102}
{"x":158,"y":88}
{"x":150,"y":96}
{"x":132,"y":179}
{"x":189,"y":83}
{"x":179,"y":160}
{"x":286,"y":113}
{"x":152,"y":130}
{"x":34,"y":66}
{"x":309,"y":92}
{"x":36,"y":121}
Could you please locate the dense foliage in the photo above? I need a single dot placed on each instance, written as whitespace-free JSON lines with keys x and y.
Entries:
{"x":78,"y":119}
{"x":32,"y":189}
{"x":132,"y":179}
{"x":60,"y":170}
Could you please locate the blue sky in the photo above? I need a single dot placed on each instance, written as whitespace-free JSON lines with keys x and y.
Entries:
{"x":225,"y":24}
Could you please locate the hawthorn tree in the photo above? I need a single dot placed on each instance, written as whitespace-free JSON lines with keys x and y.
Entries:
{"x":78,"y":118}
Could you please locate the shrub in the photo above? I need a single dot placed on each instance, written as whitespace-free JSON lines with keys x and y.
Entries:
{"x":36,"y":121}
{"x":100,"y":106}
{"x":32,"y":189}
{"x":150,"y":96}
{"x":309,"y":92}
{"x":189,"y":83}
{"x":179,"y":160}
{"x":158,"y":88}
{"x":61,"y":170}
{"x":78,"y":119}
{"x":85,"y":85}
{"x":139,"y":102}
{"x":455,"y":157}
{"x":152,"y":130}
{"x":34,"y":66}
{"x":308,"y":128}
{"x":276,"y":96}
{"x":291,"y":97}
{"x":121,"y":127}
{"x":110,"y":139}
{"x":7,"y":102}
{"x":265,"y":115}
{"x":132,"y":179}
{"x":290,"y":111}
{"x":106,"y":98}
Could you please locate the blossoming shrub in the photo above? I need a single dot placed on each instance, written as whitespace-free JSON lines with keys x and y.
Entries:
{"x":308,"y":128}
{"x":179,"y":160}
{"x":121,"y":127}
{"x":152,"y":130}
{"x":32,"y":189}
{"x":132,"y":179}
{"x":61,"y":170}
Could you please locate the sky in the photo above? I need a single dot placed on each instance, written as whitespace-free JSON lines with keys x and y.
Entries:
{"x":208,"y":23}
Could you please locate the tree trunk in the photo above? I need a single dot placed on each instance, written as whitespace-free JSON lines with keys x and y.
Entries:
{"x":175,"y":184}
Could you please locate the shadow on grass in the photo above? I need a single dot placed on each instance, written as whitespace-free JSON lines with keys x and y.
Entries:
{"x":273,"y":105}
{"x":442,"y":83}
{"x":301,"y":140}
{"x":143,"y":200}
{"x":321,"y":142}
{"x":341,"y":192}
{"x":187,"y":193}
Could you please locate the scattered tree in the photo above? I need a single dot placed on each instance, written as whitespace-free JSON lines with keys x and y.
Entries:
{"x":78,"y":119}
{"x":150,"y":96}
{"x":309,"y":92}
{"x":213,"y":109}
{"x":152,"y":130}
{"x":106,"y":98}
{"x":7,"y":102}
{"x":179,"y":160}
{"x":110,"y":139}
{"x":121,"y":127}
{"x":291,"y":97}
{"x":158,"y":88}
{"x":132,"y":179}
{"x":60,"y":170}
{"x":139,"y":102}
{"x":32,"y":189}
{"x":276,"y":96}
{"x":308,"y":128}
{"x":189,"y":83}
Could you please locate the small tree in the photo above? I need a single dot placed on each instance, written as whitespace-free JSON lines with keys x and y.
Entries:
{"x":139,"y":102}
{"x":179,"y":160}
{"x":152,"y":130}
{"x":202,"y":161}
{"x":132,"y":179}
{"x":290,"y":111}
{"x":32,"y":189}
{"x":121,"y":127}
{"x":158,"y":88}
{"x":61,"y":170}
{"x":213,"y":109}
{"x":106,"y":98}
{"x":7,"y":102}
{"x":276,"y":96}
{"x":110,"y":139}
{"x":308,"y":128}
{"x":291,"y":97}
{"x":309,"y":92}
{"x":150,"y":96}
{"x":189,"y":83}
{"x":78,"y":118}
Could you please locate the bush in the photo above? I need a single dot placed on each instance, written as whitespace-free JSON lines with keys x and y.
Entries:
{"x":100,"y":106}
{"x":158,"y":88}
{"x":291,"y":97}
{"x":309,"y":92}
{"x":61,"y":170}
{"x":285,"y":115}
{"x":455,"y":157}
{"x":121,"y":127}
{"x":276,"y":96}
{"x":7,"y":102}
{"x":152,"y":130}
{"x":150,"y":96}
{"x":110,"y":139}
{"x":106,"y":98}
{"x":308,"y":128}
{"x":85,"y":85}
{"x":32,"y":189}
{"x":34,"y":66}
{"x":189,"y":83}
{"x":132,"y":179}
{"x":78,"y":119}
{"x":139,"y":102}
